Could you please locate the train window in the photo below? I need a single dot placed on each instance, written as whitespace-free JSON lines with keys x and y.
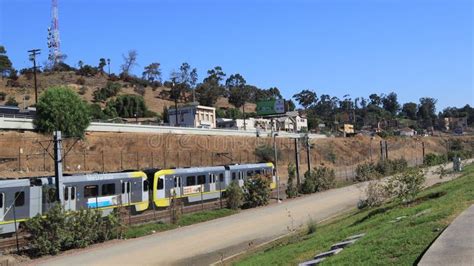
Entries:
{"x":145,"y":185}
{"x":129,"y":187}
{"x":123,"y":188}
{"x":73,"y":193}
{"x":108,"y":189}
{"x":258,"y":172}
{"x":191,"y":180}
{"x":66,"y":194}
{"x":201,"y":179}
{"x":233,"y":176}
{"x":221,"y":177}
{"x":1,"y":200}
{"x":91,"y":191}
{"x":160,"y":183}
{"x":19,"y":199}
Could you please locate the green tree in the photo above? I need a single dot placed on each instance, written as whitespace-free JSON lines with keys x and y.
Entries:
{"x":427,"y":111}
{"x":5,"y":63}
{"x":152,"y":72}
{"x":102,"y":64}
{"x":211,"y":88}
{"x":409,"y":110}
{"x":129,"y":106}
{"x":390,"y":103}
{"x":306,"y":98}
{"x":60,"y":108}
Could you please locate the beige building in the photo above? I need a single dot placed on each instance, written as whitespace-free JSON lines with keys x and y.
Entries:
{"x":193,"y":116}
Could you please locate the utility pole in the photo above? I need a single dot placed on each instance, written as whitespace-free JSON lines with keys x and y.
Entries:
{"x":386,"y":150}
{"x":423,"y":150}
{"x":243,"y":112}
{"x":108,"y":64}
{"x":297,"y":158}
{"x":381,"y":150}
{"x":274,"y":134}
{"x":308,"y":154}
{"x":58,"y":166}
{"x":33,"y":54}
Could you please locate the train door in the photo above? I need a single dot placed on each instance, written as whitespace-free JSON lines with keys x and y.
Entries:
{"x":212,"y":182}
{"x":241,"y":179}
{"x":2,"y":206}
{"x":126,"y":192}
{"x":160,"y":187}
{"x":177,"y":185}
{"x":221,"y":182}
{"x":70,"y":198}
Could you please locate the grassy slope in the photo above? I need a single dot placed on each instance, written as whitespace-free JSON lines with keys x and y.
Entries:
{"x":187,"y":219}
{"x":386,"y":243}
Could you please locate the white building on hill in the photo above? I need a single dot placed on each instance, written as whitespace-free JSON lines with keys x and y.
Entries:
{"x":193,"y":116}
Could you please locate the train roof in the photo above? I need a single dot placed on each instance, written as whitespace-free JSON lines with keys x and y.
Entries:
{"x":248,"y":166}
{"x":15,"y":183}
{"x":198,"y":169}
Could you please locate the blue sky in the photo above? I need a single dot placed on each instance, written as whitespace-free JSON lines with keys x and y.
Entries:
{"x":415,"y":48}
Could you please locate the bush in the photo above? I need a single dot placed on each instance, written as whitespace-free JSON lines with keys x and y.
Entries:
{"x":405,"y":186}
{"x":234,"y":196}
{"x":366,"y":172}
{"x":80,"y":81}
{"x":390,"y":167}
{"x":266,"y":153}
{"x":60,"y":108}
{"x":60,"y":231}
{"x":11,"y":101}
{"x":432,"y":159}
{"x":256,"y":191}
{"x":110,"y":90}
{"x":129,"y":106}
{"x":88,"y":71}
{"x":291,"y":189}
{"x":3,"y":96}
{"x":312,"y":226}
{"x":376,"y":194}
{"x":319,"y":179}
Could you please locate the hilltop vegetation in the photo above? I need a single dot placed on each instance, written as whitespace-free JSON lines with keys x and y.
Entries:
{"x":107,"y":92}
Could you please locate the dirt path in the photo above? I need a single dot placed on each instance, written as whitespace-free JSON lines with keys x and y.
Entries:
{"x":205,"y":243}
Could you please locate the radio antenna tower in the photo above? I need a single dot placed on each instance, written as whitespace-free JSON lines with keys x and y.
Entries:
{"x":54,"y":45}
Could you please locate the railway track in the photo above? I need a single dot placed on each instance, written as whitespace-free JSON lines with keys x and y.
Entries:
{"x":10,"y":244}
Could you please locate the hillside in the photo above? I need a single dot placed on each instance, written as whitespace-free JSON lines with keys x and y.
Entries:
{"x":22,"y":153}
{"x":25,"y":87}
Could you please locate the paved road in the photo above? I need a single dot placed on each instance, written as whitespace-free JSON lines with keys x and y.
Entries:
{"x":455,"y":246}
{"x":204,"y":243}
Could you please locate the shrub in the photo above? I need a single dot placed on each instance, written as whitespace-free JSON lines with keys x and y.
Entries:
{"x":432,"y":159}
{"x":110,"y":90}
{"x":319,"y":179}
{"x":266,"y":153}
{"x":3,"y":96}
{"x":291,"y":189}
{"x":11,"y":101}
{"x":312,"y":226}
{"x":82,"y":90}
{"x":128,"y":106}
{"x":375,"y":193}
{"x":389,"y":167}
{"x":60,"y":108}
{"x":256,"y":191}
{"x":80,"y":81}
{"x":234,"y":196}
{"x":366,"y":172}
{"x":60,"y":231}
{"x":405,"y":186}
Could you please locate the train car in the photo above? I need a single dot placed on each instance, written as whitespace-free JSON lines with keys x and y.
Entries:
{"x":201,"y":183}
{"x":239,"y":172}
{"x":106,"y":191}
{"x":19,"y":200}
{"x":189,"y":184}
